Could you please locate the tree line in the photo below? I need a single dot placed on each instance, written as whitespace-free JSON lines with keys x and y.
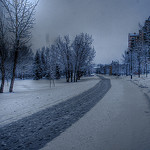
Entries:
{"x":136,"y":58}
{"x":71,"y":58}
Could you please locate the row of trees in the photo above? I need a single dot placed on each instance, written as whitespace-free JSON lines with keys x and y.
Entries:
{"x":71,"y":58}
{"x":136,"y":60}
{"x":64,"y":58}
{"x":77,"y":56}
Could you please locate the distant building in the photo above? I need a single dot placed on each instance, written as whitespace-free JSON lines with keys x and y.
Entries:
{"x":139,"y":44}
{"x":141,"y":38}
{"x":115,"y":68}
{"x":146,"y":32}
{"x":133,"y":39}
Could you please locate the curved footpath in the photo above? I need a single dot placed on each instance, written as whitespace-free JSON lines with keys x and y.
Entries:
{"x":120,"y":121}
{"x":34,"y":131}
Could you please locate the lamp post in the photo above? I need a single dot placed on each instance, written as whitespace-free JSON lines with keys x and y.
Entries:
{"x":127,"y":64}
{"x":131,"y":63}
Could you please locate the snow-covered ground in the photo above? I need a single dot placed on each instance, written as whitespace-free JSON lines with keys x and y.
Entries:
{"x":143,"y":83}
{"x":120,"y":121}
{"x":31,"y":96}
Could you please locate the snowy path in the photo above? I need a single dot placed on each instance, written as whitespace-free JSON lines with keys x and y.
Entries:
{"x":120,"y":121}
{"x":32,"y":96}
{"x":33,"y":132}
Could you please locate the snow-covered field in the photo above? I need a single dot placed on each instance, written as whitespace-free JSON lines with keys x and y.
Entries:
{"x":31,"y":96}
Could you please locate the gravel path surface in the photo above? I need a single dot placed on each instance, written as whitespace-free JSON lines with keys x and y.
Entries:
{"x":34,"y":131}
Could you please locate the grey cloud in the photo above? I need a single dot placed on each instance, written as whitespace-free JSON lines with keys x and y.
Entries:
{"x":109,"y":21}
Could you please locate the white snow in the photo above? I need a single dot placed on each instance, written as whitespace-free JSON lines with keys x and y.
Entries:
{"x":143,"y":82}
{"x":120,"y":121}
{"x":32,"y":96}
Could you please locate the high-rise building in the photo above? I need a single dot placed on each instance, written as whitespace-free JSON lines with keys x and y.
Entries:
{"x":146,"y":32}
{"x":133,"y":39}
{"x":141,"y":38}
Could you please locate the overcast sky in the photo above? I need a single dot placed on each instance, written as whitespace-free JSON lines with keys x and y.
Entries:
{"x":108,"y":21}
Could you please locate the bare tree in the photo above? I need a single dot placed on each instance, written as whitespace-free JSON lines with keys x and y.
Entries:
{"x":21,"y":20}
{"x":51,"y":61}
{"x":3,"y":48}
{"x":83,"y":53}
{"x":74,"y":57}
{"x":146,"y":58}
{"x":64,"y":48}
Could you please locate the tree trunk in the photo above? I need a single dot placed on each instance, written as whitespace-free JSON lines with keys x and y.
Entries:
{"x":75,"y":73}
{"x":67,"y":79}
{"x":3,"y":76}
{"x":14,"y":71}
{"x":131,"y":65}
{"x":126,"y":69}
{"x":146,"y":69}
{"x":68,"y":76}
{"x":71,"y":75}
{"x":74,"y":77}
{"x":77,"y":76}
{"x":139,"y":69}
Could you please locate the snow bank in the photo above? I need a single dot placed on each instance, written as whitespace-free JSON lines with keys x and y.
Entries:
{"x":32,"y":96}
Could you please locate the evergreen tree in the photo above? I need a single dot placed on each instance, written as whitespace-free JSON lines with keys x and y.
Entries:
{"x":37,"y":70}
